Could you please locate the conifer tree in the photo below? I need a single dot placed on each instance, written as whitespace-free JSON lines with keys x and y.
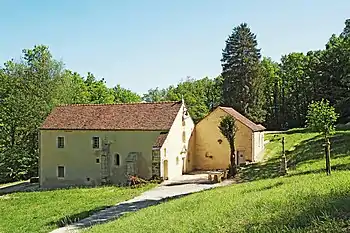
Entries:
{"x":242,"y":86}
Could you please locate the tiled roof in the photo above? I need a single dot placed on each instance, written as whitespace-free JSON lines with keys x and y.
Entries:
{"x":254,"y":127}
{"x":133,"y":116}
{"x":160,"y":140}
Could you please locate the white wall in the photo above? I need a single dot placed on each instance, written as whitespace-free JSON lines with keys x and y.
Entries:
{"x":258,"y":146}
{"x":174,"y":144}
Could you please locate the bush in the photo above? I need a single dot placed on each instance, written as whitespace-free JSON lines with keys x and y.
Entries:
{"x":136,"y":181}
{"x":156,"y":179}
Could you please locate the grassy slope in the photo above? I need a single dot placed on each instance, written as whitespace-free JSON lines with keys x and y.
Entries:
{"x":47,"y":210}
{"x":304,"y":201}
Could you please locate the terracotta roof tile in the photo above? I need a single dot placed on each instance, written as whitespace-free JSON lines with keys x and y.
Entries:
{"x":243,"y":119}
{"x":133,"y":116}
{"x":160,"y":140}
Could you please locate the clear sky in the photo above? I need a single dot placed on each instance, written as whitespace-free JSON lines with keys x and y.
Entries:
{"x":142,"y":44}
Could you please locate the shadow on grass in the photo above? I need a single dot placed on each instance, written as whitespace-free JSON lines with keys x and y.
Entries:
{"x":337,"y":167}
{"x":22,"y":187}
{"x":66,"y":220}
{"x":269,"y":187}
{"x":313,"y":149}
{"x":307,"y":151}
{"x":327,"y":213}
{"x":202,"y":181}
{"x":298,"y":130}
{"x":258,"y":171}
{"x":105,"y":214}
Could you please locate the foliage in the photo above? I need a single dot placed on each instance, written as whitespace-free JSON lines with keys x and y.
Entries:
{"x":122,"y":95}
{"x":272,"y":92}
{"x":200,"y":96}
{"x":46,"y":210}
{"x":243,"y":84}
{"x":228,"y":129}
{"x":321,"y":117}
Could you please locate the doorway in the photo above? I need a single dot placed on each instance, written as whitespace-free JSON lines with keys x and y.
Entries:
{"x":183,"y":166}
{"x":165,"y":169}
{"x":240,"y":157}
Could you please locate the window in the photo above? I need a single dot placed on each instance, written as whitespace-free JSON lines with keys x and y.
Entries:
{"x":164,"y":152}
{"x":60,"y":171}
{"x":60,"y":142}
{"x":95,"y":142}
{"x":177,"y":160}
{"x":116,"y":160}
{"x":97,"y":160}
{"x":183,"y":136}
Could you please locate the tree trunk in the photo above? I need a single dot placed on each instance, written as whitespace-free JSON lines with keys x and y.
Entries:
{"x":328,"y":156}
{"x":233,"y":167}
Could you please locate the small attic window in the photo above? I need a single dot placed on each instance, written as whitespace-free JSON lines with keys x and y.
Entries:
{"x":95,"y":142}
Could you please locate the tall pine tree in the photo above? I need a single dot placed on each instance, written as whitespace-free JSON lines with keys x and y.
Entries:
{"x":242,"y":86}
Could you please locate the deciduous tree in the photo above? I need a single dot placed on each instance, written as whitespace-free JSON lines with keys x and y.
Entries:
{"x":321,"y":117}
{"x":228,"y":129}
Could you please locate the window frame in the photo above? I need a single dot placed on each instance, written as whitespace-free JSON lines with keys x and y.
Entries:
{"x":93,"y":142}
{"x":58,"y":140}
{"x":58,"y":173}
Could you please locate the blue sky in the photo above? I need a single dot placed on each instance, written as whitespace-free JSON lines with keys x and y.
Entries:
{"x":142,"y":44}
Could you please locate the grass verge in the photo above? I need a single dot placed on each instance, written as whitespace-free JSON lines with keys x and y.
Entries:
{"x":47,"y":210}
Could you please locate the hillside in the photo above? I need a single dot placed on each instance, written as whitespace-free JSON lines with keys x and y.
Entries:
{"x":304,"y":201}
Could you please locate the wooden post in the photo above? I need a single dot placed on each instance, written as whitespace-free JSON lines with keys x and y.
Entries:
{"x":283,"y":168}
{"x":328,"y":157}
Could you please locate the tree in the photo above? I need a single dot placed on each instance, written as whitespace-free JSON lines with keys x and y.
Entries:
{"x":296,"y":88}
{"x":346,"y":30}
{"x":242,"y":86}
{"x":272,"y":92}
{"x":321,"y":117}
{"x":228,"y":129}
{"x":155,"y":95}
{"x":122,"y":95}
{"x":201,"y":96}
{"x":28,"y":93}
{"x":99,"y":93}
{"x":334,"y":70}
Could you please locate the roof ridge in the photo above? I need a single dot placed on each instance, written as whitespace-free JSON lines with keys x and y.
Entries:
{"x":131,"y":103}
{"x":246,"y":119}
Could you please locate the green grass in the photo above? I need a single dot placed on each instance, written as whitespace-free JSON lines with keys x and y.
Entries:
{"x":47,"y":210}
{"x":306,"y":200}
